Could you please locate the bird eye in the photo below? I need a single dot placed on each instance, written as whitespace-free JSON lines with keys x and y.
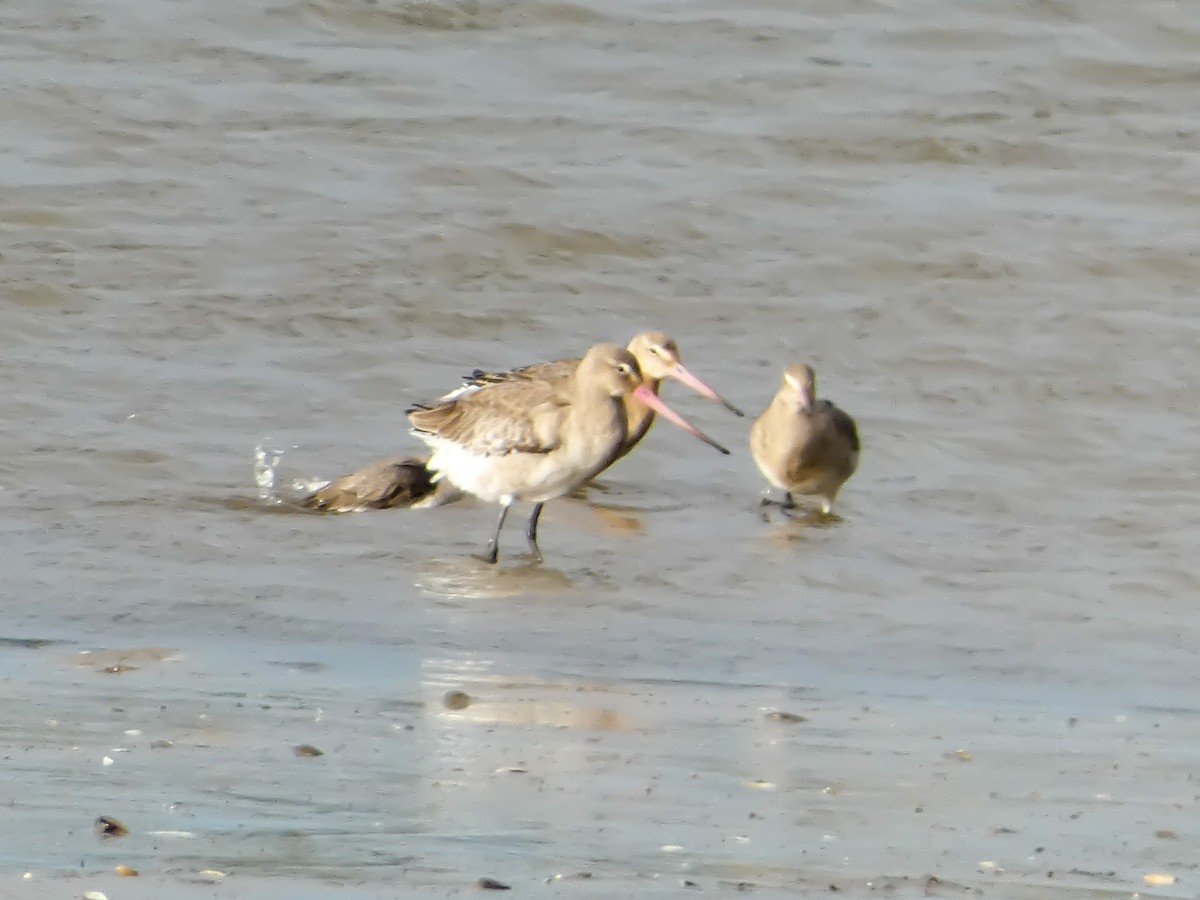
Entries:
{"x":624,"y":369}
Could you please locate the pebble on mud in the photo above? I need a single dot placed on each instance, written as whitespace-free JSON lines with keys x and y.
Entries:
{"x":491,"y":884}
{"x":960,"y":755}
{"x":126,"y":871}
{"x":108,"y":827}
{"x":790,"y":718}
{"x":95,"y":895}
{"x":559,"y":876}
{"x":307,"y":750}
{"x":456,"y":700}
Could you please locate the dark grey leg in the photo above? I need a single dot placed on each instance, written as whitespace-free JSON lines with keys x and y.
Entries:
{"x":532,"y":529}
{"x":787,"y":504}
{"x":493,"y":550}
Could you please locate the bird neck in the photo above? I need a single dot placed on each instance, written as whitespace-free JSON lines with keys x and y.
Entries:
{"x":599,"y":423}
{"x":797,"y":407}
{"x":639,"y":417}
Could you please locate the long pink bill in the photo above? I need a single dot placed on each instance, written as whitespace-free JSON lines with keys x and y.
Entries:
{"x":655,"y":402}
{"x":682,"y":374}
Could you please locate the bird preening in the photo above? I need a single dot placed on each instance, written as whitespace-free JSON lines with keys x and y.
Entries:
{"x":537,"y":433}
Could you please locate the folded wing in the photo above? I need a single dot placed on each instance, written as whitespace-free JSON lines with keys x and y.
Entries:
{"x":508,"y":417}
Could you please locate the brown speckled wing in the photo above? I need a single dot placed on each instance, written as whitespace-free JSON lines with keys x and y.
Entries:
{"x":397,"y":481}
{"x":557,"y":370}
{"x":845,"y":427}
{"x":509,"y":417}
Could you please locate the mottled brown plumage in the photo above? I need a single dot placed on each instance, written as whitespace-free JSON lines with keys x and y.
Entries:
{"x":394,"y":482}
{"x":658,"y":358}
{"x":507,"y":417}
{"x":536,"y":439}
{"x":802,"y":444}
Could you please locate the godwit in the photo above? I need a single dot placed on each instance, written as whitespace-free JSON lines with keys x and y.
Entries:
{"x":397,"y":481}
{"x":804,"y":445}
{"x":658,"y":358}
{"x":536,"y":440}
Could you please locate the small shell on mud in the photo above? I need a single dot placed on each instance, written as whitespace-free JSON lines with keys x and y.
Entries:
{"x":307,"y":750}
{"x":126,"y":871}
{"x":1156,"y":879}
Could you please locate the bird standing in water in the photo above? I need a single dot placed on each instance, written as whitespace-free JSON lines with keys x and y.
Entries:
{"x":657,"y":357}
{"x":537,"y":440}
{"x":802,"y":444}
{"x":404,"y":481}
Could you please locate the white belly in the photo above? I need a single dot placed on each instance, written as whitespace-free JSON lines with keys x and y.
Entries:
{"x":771,"y":473}
{"x":532,"y":477}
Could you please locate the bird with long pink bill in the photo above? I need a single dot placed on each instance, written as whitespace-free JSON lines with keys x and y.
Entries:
{"x":657,"y":356}
{"x":403,"y":481}
{"x":535,"y":440}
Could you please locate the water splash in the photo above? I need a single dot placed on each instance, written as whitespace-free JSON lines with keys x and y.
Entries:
{"x":266,"y":464}
{"x":274,"y":487}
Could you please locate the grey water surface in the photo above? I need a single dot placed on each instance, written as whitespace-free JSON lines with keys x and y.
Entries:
{"x":226,"y":225}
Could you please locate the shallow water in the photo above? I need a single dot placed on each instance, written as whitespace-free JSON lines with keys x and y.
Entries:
{"x":232,"y":224}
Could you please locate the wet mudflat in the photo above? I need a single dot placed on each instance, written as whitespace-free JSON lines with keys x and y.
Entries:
{"x":228,"y":225}
{"x":436,"y":771}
